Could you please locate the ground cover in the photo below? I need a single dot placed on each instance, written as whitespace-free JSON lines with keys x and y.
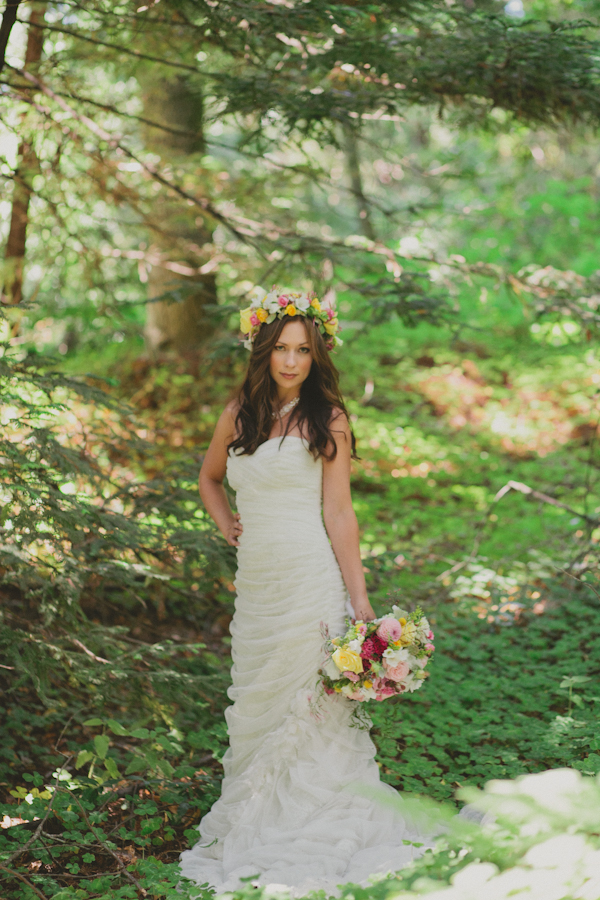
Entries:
{"x":511,"y":587}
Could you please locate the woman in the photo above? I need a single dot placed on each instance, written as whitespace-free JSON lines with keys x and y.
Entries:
{"x":293,"y":808}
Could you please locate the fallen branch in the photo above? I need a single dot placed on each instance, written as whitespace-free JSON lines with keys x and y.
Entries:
{"x":545,"y":498}
{"x":89,"y":652}
{"x":24,"y":880}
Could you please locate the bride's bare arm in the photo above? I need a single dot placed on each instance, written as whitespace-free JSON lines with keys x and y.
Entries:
{"x":340,"y":520}
{"x":210,"y":482}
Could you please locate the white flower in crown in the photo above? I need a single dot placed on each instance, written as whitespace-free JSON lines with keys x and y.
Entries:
{"x":270,"y":302}
{"x":257,"y":296}
{"x":302,"y":302}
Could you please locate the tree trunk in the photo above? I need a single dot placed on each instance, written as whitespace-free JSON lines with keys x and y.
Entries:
{"x":353,"y":165}
{"x":27,"y":167}
{"x":179,"y":322}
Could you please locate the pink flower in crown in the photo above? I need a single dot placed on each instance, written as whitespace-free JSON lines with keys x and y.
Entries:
{"x":282,"y":300}
{"x":399,"y":672}
{"x":430,"y":648}
{"x":352,"y":676}
{"x":254,"y":320}
{"x":389,"y":630}
{"x":430,"y":635}
{"x":330,"y":314}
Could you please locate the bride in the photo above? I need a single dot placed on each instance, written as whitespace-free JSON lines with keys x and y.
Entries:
{"x":297,"y":805}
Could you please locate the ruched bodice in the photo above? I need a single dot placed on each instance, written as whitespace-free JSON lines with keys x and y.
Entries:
{"x":278,"y":495}
{"x":289,"y":810}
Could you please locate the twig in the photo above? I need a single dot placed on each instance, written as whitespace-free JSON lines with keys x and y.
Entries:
{"x":89,"y":652}
{"x":103,"y":844}
{"x":43,"y":821}
{"x":538,"y":495}
{"x":24,"y":880}
{"x":580,"y":580}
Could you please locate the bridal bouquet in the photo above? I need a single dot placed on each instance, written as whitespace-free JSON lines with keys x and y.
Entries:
{"x":379,"y":659}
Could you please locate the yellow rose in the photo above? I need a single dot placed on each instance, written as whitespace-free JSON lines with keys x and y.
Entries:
{"x":368,"y":684}
{"x":348,"y":661}
{"x":331,"y":326}
{"x":408,"y":633}
{"x":245,"y":325}
{"x":261,"y":314}
{"x":315,"y":304}
{"x":290,"y":309}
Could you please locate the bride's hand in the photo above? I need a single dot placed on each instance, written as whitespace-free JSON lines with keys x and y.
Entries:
{"x":234,"y":531}
{"x":364,"y":611}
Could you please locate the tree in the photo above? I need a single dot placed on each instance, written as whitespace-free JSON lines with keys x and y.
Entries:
{"x":273,"y":74}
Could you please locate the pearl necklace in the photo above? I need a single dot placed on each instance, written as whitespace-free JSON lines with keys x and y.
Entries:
{"x":288,"y":407}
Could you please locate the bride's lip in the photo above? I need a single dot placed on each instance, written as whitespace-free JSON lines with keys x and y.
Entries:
{"x":287,"y":375}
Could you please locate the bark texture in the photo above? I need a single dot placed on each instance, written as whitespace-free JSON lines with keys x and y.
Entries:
{"x":178,"y":322}
{"x":27,"y":168}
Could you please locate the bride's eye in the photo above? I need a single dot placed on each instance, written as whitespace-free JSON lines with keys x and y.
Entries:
{"x":304,"y":349}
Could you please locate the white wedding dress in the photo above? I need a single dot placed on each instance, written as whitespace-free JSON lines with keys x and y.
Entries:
{"x":295,"y":806}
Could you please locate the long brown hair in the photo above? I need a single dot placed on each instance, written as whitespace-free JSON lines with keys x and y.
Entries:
{"x":320,"y":396}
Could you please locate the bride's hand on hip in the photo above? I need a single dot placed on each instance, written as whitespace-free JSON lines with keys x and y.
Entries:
{"x":234,"y":531}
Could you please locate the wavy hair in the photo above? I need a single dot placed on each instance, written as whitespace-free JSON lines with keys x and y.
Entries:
{"x":320,"y":396}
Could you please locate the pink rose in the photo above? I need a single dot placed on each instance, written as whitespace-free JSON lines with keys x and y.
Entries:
{"x":254,"y":320}
{"x":399,"y":672}
{"x":430,"y":648}
{"x":352,"y":676}
{"x":283,"y":301}
{"x":389,"y":630}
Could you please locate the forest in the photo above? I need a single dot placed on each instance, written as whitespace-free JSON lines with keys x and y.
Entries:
{"x":434,"y":166}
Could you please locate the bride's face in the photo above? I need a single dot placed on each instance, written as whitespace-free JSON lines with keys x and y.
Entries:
{"x":291,"y":357}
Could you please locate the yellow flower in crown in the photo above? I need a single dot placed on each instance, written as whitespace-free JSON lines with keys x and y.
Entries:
{"x":315,"y":304}
{"x":245,"y":324}
{"x":348,"y":661}
{"x":290,"y":309}
{"x":261,"y":314}
{"x":331,"y":326}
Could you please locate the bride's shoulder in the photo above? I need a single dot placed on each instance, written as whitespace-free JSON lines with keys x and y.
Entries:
{"x":339,"y":425}
{"x":339,"y":419}
{"x":226,"y":425}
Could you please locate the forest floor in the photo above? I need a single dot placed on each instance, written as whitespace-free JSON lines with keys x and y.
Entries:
{"x":508,"y":579}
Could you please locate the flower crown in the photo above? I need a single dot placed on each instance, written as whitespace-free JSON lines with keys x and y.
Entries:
{"x":266,"y":307}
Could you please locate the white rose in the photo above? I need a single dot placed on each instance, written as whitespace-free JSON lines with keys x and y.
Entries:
{"x":331,"y":670}
{"x":302,"y":302}
{"x":394,"y":657}
{"x":355,"y":645}
{"x":257,"y":295}
{"x":347,"y":690}
{"x":270,"y":302}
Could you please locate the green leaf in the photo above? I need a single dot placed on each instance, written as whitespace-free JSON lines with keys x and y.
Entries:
{"x":572,"y":680}
{"x":141,"y":733}
{"x":101,"y":743}
{"x":83,"y":757}
{"x":116,"y":727}
{"x":137,"y":764}
{"x":91,"y":723}
{"x":111,"y":767}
